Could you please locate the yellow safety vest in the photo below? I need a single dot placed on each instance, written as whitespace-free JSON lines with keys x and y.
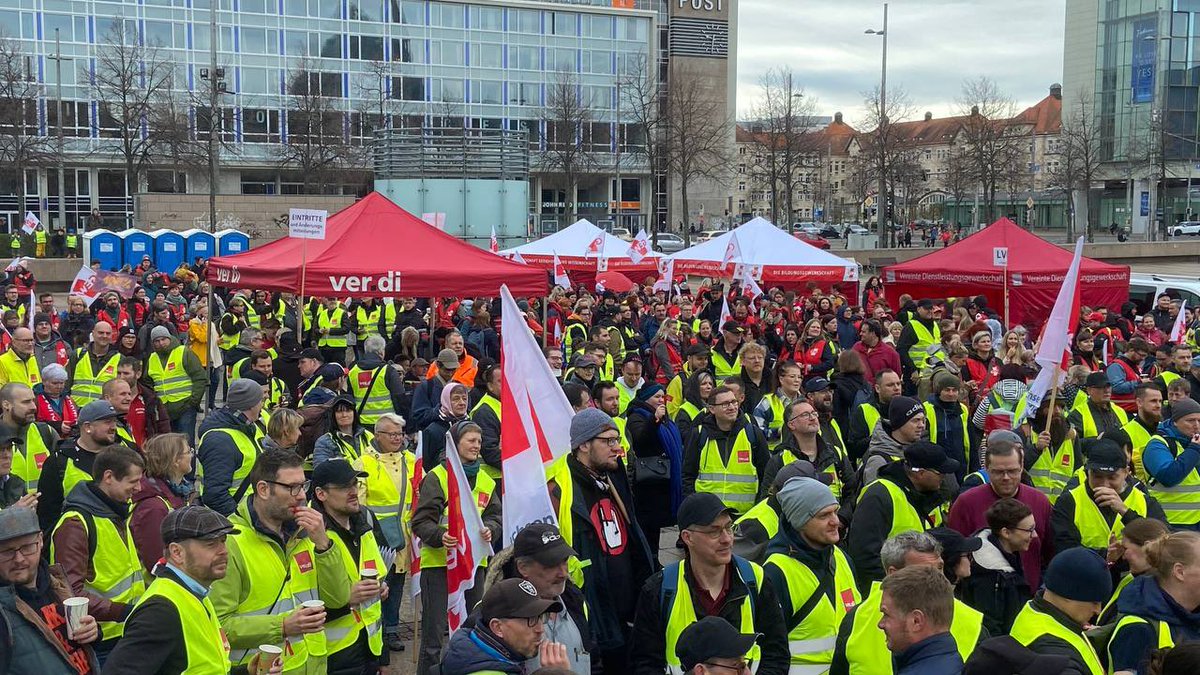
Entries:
{"x":372,"y":386}
{"x":688,"y":408}
{"x":249,"y":447}
{"x":917,"y":353}
{"x":775,"y":424}
{"x":72,"y":241}
{"x":1032,"y":624}
{"x":811,"y":642}
{"x":723,"y":368}
{"x":870,"y":415}
{"x":1180,"y":502}
{"x":931,"y":419}
{"x":171,"y":379}
{"x":1163,"y":631}
{"x":27,"y":462}
{"x":278,"y":582}
{"x":72,"y":476}
{"x":39,"y":236}
{"x":1089,"y":422}
{"x":904,"y":515}
{"x":835,"y":481}
{"x":1094,"y":530}
{"x":342,"y":632}
{"x":227,"y":342}
{"x":866,"y":647}
{"x":1139,"y":437}
{"x":117,"y":571}
{"x":326,"y":320}
{"x":368,"y":322}
{"x":735,"y":482}
{"x":86,"y":386}
{"x":352,"y":451}
{"x":382,"y":496}
{"x":493,"y":403}
{"x":482,"y":494}
{"x":203,"y":638}
{"x":623,"y":397}
{"x":18,"y":371}
{"x":682,"y":613}
{"x":389,"y":319}
{"x":764,"y":515}
{"x":1051,"y":471}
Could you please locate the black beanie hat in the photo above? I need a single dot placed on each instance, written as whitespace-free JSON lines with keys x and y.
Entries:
{"x":901,"y":409}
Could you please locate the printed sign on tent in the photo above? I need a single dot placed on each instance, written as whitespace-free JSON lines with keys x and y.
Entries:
{"x":307,"y":223}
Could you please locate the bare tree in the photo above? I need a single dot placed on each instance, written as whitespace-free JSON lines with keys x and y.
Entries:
{"x":782,"y":118}
{"x":567,"y":119}
{"x":992,"y":143}
{"x":1080,"y":157}
{"x":699,"y":131}
{"x":958,"y":182}
{"x":21,"y":147}
{"x":639,"y":94}
{"x":885,"y":149}
{"x":130,"y":80}
{"x":317,"y":146}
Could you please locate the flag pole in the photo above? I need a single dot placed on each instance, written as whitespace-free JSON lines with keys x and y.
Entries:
{"x":1053,"y":402}
{"x":1006,"y":321}
{"x":302,"y":308}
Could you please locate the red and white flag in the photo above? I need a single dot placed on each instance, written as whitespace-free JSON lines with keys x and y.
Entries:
{"x":750,"y":287}
{"x":639,"y":248}
{"x":725,"y":313}
{"x":539,"y":428}
{"x":1054,"y":344}
{"x":666,"y":276}
{"x":31,"y":223}
{"x":465,"y":525}
{"x":1179,"y":329}
{"x":517,"y":257}
{"x":733,"y":250}
{"x":560,"y":273}
{"x":414,"y":546}
{"x":596,"y":247}
{"x":494,"y":243}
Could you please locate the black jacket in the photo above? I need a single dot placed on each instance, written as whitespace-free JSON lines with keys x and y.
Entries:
{"x":997,"y":585}
{"x":1050,"y":645}
{"x":50,"y":484}
{"x":845,"y":390}
{"x":648,"y":651}
{"x":401,"y":401}
{"x":489,"y":426}
{"x":858,"y":434}
{"x":1062,"y":522}
{"x":220,"y":457}
{"x":692,"y":447}
{"x":827,"y":457}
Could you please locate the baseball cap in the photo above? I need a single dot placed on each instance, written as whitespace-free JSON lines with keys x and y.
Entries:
{"x":953,"y":543}
{"x":926,"y":455}
{"x":17,"y":521}
{"x":709,"y":638}
{"x":732,"y":326}
{"x":925,"y":303}
{"x":816,"y":384}
{"x":195,"y":522}
{"x":96,"y":411}
{"x":543,"y":543}
{"x":311,"y":353}
{"x":515,"y":599}
{"x":701,"y":508}
{"x":1097,"y":379}
{"x":584,"y":361}
{"x":336,"y":472}
{"x":1105,"y":456}
{"x":448,"y":359}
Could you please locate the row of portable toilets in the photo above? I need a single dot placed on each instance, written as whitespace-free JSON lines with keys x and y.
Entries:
{"x":166,"y":248}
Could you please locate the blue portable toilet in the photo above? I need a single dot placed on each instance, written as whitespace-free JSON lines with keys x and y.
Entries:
{"x":169,"y":249}
{"x":232,"y":242}
{"x":103,"y":246}
{"x":198,"y":243}
{"x":135,"y":244}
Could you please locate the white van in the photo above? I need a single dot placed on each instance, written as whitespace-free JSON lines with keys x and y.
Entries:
{"x":1144,"y":289}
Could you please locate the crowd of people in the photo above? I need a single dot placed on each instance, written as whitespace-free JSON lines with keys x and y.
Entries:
{"x":822,"y":480}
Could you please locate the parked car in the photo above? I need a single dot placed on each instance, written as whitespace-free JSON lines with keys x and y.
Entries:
{"x":812,"y":239}
{"x":1191,"y":227}
{"x":829,"y":231}
{"x":855,"y":228}
{"x":622,"y":233}
{"x":707,"y":235}
{"x":1144,"y":289}
{"x":809,"y":229}
{"x":669,"y":243}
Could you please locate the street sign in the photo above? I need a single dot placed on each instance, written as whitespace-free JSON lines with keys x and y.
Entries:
{"x":307,"y":223}
{"x":1029,"y":203}
{"x":999,"y":256}
{"x":868,"y":202}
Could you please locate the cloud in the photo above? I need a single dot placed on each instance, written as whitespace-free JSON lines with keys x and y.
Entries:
{"x":933,"y":46}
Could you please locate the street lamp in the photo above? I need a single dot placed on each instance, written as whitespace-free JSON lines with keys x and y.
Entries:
{"x":881,"y":200}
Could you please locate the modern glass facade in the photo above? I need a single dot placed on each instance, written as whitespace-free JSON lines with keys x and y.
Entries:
{"x":421,"y":62}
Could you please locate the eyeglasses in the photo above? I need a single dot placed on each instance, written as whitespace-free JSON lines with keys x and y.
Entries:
{"x":27,"y":551}
{"x":296,"y":490}
{"x":725,"y":404}
{"x":611,"y":441}
{"x":1029,"y":530}
{"x":1005,"y":473}
{"x":390,"y":434}
{"x":810,"y":415}
{"x":741,"y":667}
{"x":712,"y":532}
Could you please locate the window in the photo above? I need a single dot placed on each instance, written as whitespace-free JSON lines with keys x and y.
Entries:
{"x":564,"y":23}
{"x":161,"y":180}
{"x":254,"y":41}
{"x":631,"y":28}
{"x":407,"y":50}
{"x":259,"y":182}
{"x":256,"y":81}
{"x":295,"y":7}
{"x":445,"y":15}
{"x":524,"y":21}
{"x":366,"y":10}
{"x":448,"y":53}
{"x":524,"y":58}
{"x":596,"y":62}
{"x":487,"y":18}
{"x":524,"y":93}
{"x":255,"y":6}
{"x":411,"y":12}
{"x":485,"y":91}
{"x":64,"y":25}
{"x":597,"y":26}
{"x":486,"y":55}
{"x":448,"y":91}
{"x":408,"y":88}
{"x":327,"y":45}
{"x":329,"y":9}
{"x":597,"y":97}
{"x":366,"y":47}
{"x":562,"y":60}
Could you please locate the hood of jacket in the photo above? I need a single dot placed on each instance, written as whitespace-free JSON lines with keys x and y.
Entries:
{"x":471,"y":651}
{"x":1143,"y":597}
{"x":990,"y":556}
{"x":1168,"y":429}
{"x":882,"y":442}
{"x":225,"y":418}
{"x":84,"y":497}
{"x":358,"y":428}
{"x":691,"y":389}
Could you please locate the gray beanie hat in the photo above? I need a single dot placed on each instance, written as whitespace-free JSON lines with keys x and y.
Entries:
{"x":243,"y":394}
{"x":159,"y":332}
{"x":588,"y":424}
{"x":1182,"y":408}
{"x":802,"y":498}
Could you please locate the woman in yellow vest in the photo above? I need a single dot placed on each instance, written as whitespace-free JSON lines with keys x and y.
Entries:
{"x":696,"y":390}
{"x":429,"y":523}
{"x":1054,"y":455}
{"x":346,"y":438}
{"x":1130,"y":553}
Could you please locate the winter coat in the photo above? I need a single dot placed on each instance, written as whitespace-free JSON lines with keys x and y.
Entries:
{"x":935,"y":655}
{"x":327,"y":447}
{"x":997,"y":585}
{"x":29,"y":644}
{"x":847,"y":388}
{"x":478,"y":650}
{"x":152,"y":502}
{"x":73,"y":551}
{"x":220,"y":457}
{"x":1144,"y":598}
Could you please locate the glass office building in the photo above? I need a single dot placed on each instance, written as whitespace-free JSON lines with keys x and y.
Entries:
{"x":423,"y":62}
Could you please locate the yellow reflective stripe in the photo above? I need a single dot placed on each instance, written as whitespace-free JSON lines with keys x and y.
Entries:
{"x":808,"y":669}
{"x":1177,"y":488}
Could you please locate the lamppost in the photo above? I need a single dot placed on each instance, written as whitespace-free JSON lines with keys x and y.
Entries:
{"x":881,"y":198}
{"x":216,"y":86}
{"x":58,"y":102}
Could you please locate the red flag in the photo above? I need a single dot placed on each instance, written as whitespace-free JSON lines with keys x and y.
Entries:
{"x":639,"y":248}
{"x":1179,"y":328}
{"x":494,"y":244}
{"x":465,"y":525}
{"x":560,"y":273}
{"x":596,"y":246}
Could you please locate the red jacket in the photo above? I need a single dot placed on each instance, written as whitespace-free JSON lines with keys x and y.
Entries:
{"x":967,"y":516}
{"x":881,"y":356}
{"x":146,"y":517}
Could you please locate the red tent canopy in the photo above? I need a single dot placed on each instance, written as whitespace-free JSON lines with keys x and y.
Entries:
{"x":374,"y":248}
{"x":1035,"y":272}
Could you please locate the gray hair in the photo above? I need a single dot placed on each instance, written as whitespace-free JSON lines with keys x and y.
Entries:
{"x":54,"y":373}
{"x":390,"y":417}
{"x":249,"y":335}
{"x":893,"y":551}
{"x":1003,"y":443}
{"x":374,"y":345}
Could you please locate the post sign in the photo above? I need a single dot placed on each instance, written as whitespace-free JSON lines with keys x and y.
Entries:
{"x":999,"y":256}
{"x":1029,"y":203}
{"x":307,"y":223}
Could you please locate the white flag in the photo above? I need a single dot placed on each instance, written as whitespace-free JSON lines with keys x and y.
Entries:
{"x":733,"y":250}
{"x":560,"y":274}
{"x":517,"y":257}
{"x":465,"y":525}
{"x":601,"y":264}
{"x":539,"y":427}
{"x":1179,"y":329}
{"x":725,"y":314}
{"x":639,"y":248}
{"x":17,"y":262}
{"x":596,"y":247}
{"x":31,"y":222}
{"x":494,"y":244}
{"x":750,"y":287}
{"x":666,"y":276}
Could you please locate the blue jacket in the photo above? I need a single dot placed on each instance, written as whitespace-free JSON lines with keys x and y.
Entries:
{"x":935,"y":655}
{"x":426,"y":403}
{"x":220,"y":457}
{"x":473,"y":650}
{"x":1131,"y":646}
{"x":1163,"y":466}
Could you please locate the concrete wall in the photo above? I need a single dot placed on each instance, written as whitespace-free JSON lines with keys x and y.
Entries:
{"x":255,"y":215}
{"x":1184,"y":251}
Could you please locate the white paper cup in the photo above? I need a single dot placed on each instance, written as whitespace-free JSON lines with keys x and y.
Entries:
{"x":318,"y":604}
{"x":370,"y":574}
{"x":76,"y":609}
{"x":266,"y":657}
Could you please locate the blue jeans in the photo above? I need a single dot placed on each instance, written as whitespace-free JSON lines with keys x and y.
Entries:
{"x":186,"y":424}
{"x":214,"y":379}
{"x":391,"y":606}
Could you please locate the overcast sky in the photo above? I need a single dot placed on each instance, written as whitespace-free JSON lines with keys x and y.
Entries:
{"x":933,"y":45}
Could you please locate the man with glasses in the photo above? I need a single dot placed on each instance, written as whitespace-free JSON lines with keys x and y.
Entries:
{"x":803,"y":440}
{"x":709,"y":581}
{"x":590,"y":491}
{"x":18,"y":364}
{"x":1003,"y":477}
{"x":712,"y":646}
{"x":281,"y":557}
{"x":510,"y":631}
{"x":1125,"y":373}
{"x":727,"y":455}
{"x":33,"y":627}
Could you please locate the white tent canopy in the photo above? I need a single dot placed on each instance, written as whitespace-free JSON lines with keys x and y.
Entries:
{"x":571,"y":245}
{"x":773,"y":256}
